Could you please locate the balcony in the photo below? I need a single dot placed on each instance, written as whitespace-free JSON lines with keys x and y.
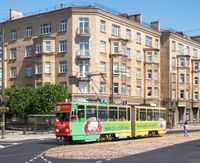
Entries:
{"x":83,"y":32}
{"x":82,"y":76}
{"x":83,"y":54}
{"x":119,"y":53}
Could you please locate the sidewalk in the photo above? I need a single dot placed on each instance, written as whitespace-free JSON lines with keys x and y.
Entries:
{"x":180,"y":129}
{"x":19,"y":136}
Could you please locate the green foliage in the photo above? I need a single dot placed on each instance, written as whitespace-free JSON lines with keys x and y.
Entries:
{"x":24,"y":100}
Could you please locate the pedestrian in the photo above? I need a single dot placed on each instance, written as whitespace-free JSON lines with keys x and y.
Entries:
{"x":185,"y":128}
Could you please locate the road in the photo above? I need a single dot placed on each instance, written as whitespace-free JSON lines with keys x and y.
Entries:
{"x":34,"y":152}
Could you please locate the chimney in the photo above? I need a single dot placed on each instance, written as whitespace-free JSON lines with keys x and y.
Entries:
{"x":125,"y":15}
{"x":15,"y":14}
{"x":136,"y":17}
{"x":155,"y":25}
{"x":62,"y":5}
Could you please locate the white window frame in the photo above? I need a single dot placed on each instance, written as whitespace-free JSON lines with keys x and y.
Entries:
{"x":123,"y":89}
{"x":138,"y":73}
{"x":138,"y":55}
{"x":102,"y":87}
{"x":13,"y":72}
{"x":83,"y":68}
{"x":149,"y":74}
{"x":47,"y":46}
{"x":128,"y":52}
{"x":103,"y":46}
{"x":115,"y":47}
{"x":128,"y":34}
{"x":13,"y":53}
{"x":63,"y":25}
{"x":29,"y":32}
{"x":28,"y":71}
{"x":38,"y":68}
{"x":38,"y":47}
{"x":149,"y":91}
{"x":115,"y":68}
{"x":47,"y":68}
{"x":102,"y":25}
{"x":115,"y":30}
{"x":148,"y":41}
{"x":116,"y":88}
{"x":63,"y":67}
{"x":128,"y":90}
{"x":102,"y":67}
{"x":62,"y":46}
{"x":138,"y":91}
{"x":45,"y":28}
{"x":138,"y":37}
{"x":13,"y":35}
{"x":28,"y":51}
{"x":83,"y":86}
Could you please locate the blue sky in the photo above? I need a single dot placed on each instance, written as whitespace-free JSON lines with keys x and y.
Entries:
{"x":181,"y":15}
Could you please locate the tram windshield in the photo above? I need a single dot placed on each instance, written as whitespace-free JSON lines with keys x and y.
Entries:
{"x":63,"y":116}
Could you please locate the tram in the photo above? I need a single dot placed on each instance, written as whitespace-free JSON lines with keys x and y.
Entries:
{"x":93,"y":121}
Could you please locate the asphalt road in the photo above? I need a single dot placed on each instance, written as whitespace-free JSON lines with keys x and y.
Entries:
{"x":33,"y":152}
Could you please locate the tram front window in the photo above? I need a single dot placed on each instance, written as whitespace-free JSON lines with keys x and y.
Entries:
{"x":63,"y":116}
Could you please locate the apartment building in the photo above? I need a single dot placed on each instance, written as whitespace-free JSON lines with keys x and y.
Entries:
{"x":180,"y":76}
{"x":110,"y":56}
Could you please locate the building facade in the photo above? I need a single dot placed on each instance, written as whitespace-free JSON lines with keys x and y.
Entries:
{"x":180,"y":77}
{"x":101,"y":50}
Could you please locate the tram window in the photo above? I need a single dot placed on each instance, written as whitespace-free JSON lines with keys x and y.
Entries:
{"x":113,"y":113}
{"x":103,"y":113}
{"x":156,"y":114}
{"x":73,"y":116}
{"x":162,"y":114}
{"x":137,"y":115}
{"x":63,"y":116}
{"x":149,"y":114}
{"x":81,"y":114}
{"x":142,"y":114}
{"x":129,"y":114}
{"x":122,"y":114}
{"x":91,"y":111}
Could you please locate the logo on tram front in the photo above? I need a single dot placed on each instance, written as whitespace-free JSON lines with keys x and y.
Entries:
{"x":93,"y":126}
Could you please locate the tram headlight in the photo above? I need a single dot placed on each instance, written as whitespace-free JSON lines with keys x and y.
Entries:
{"x":67,"y":130}
{"x":57,"y":130}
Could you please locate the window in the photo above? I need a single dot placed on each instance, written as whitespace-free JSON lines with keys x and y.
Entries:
{"x":102,"y":46}
{"x":182,"y":78}
{"x":29,"y":32}
{"x":187,"y":94}
{"x":63,"y":67}
{"x":173,"y":61}
{"x":195,"y":53}
{"x":123,"y":69}
{"x":13,"y":35}
{"x":173,"y":46}
{"x":149,"y":57}
{"x":63,"y":25}
{"x":187,"y":78}
{"x":115,"y":88}
{"x":47,"y":67}
{"x":143,"y":114}
{"x":155,"y":74}
{"x":123,"y":89}
{"x":196,"y":66}
{"x":116,"y":47}
{"x":83,"y":68}
{"x":182,"y":62}
{"x":38,"y":48}
{"x":62,"y":46}
{"x":113,"y":114}
{"x":103,"y":67}
{"x":157,"y":43}
{"x":83,"y":87}
{"x":128,"y":90}
{"x":84,"y":47}
{"x":28,"y":71}
{"x":102,"y":26}
{"x":1,"y":53}
{"x":38,"y":68}
{"x":149,"y":74}
{"x":122,"y":114}
{"x":155,"y":57}
{"x":115,"y":30}
{"x":148,"y":41}
{"x":84,"y":25}
{"x":188,"y":50}
{"x":138,"y":37}
{"x":13,"y":53}
{"x":128,"y":72}
{"x":196,"y":80}
{"x":182,"y":94}
{"x":138,"y":91}
{"x":173,"y":94}
{"x":115,"y":68}
{"x":138,"y":55}
{"x":180,"y":48}
{"x":128,"y":34}
{"x":196,"y":95}
{"x":103,"y":87}
{"x":103,"y":113}
{"x":47,"y":46}
{"x":45,"y":28}
{"x":128,"y":53}
{"x":173,"y":77}
{"x":28,"y":52}
{"x":156,"y":92}
{"x":13,"y":72}
{"x":149,"y":91}
{"x":138,"y":73}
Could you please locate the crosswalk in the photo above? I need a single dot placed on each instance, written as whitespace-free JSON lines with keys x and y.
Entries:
{"x":7,"y":144}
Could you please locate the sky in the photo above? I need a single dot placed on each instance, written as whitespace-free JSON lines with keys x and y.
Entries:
{"x":180,"y":15}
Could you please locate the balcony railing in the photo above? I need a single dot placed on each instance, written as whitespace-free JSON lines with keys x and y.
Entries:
{"x":83,"y":54}
{"x":82,"y":76}
{"x":83,"y":32}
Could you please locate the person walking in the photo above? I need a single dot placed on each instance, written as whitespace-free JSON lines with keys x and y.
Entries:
{"x":185,"y":128}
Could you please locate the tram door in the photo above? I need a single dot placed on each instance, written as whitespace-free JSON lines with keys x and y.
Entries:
{"x":133,"y":121}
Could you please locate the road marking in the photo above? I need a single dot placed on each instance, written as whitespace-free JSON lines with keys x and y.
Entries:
{"x":108,"y":159}
{"x":1,"y":146}
{"x":99,"y":161}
